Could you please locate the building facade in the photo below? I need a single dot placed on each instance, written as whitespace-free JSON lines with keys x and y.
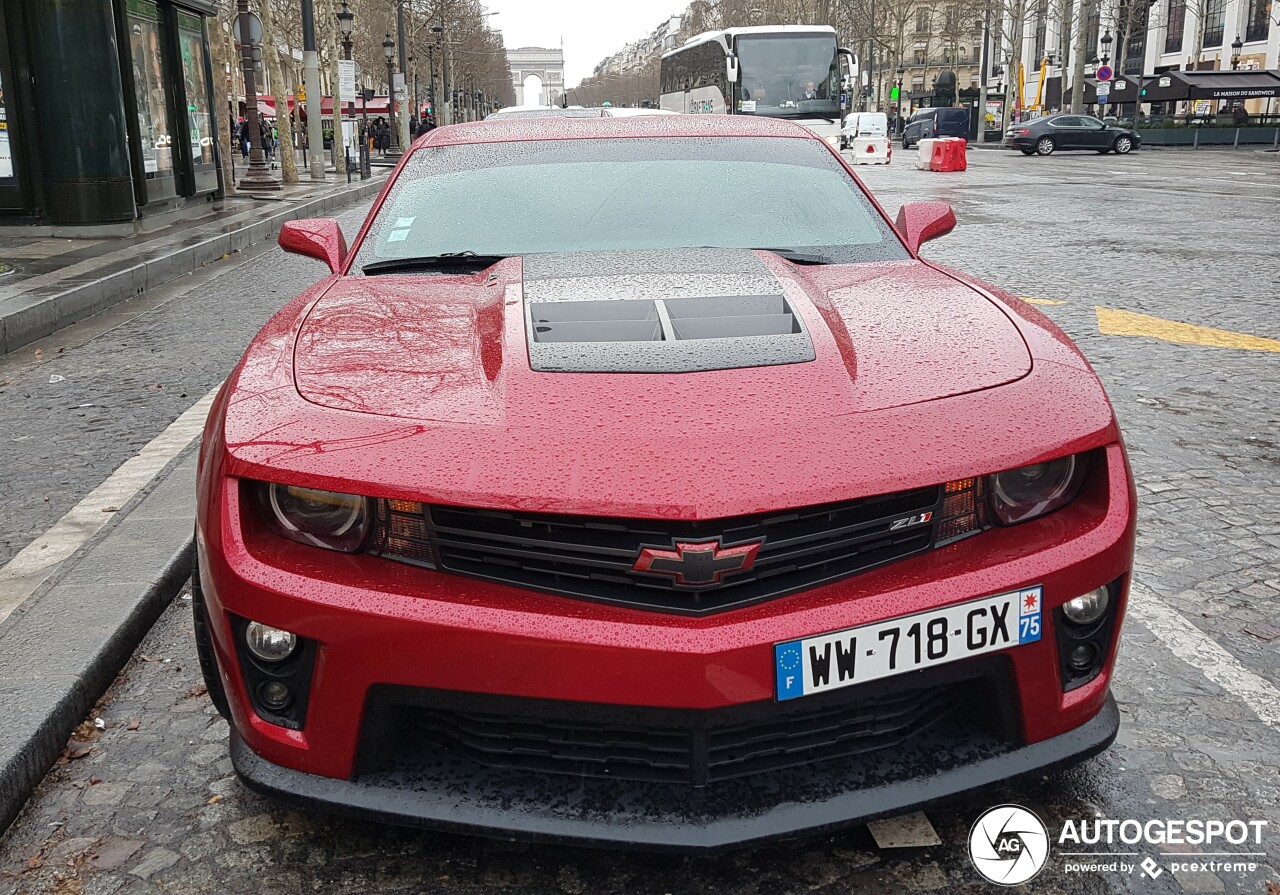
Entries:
{"x":106,"y":111}
{"x":1168,"y":35}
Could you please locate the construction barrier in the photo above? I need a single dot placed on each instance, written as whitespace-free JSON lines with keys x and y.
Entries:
{"x":870,"y":151}
{"x":925,"y":156}
{"x":946,"y":154}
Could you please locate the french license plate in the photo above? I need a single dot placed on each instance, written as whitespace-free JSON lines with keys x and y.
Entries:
{"x":857,"y":655}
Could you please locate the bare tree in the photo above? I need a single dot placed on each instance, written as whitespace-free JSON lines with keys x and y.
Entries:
{"x":280,"y":89}
{"x":222,"y":55}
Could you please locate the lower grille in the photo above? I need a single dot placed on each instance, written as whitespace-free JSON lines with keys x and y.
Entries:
{"x":650,"y":744}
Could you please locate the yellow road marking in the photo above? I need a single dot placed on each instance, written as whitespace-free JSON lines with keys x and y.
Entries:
{"x":1127,"y":323}
{"x":1040,"y":301}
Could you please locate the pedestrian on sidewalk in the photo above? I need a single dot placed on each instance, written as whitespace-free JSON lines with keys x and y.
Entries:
{"x":1241,"y":116}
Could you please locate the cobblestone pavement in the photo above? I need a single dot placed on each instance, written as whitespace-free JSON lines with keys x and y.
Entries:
{"x":76,"y":405}
{"x":150,"y":802}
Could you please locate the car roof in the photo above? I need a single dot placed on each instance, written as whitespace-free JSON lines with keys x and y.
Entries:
{"x":522,"y":129}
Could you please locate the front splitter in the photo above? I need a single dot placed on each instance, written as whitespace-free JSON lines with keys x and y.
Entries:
{"x":827,"y":796}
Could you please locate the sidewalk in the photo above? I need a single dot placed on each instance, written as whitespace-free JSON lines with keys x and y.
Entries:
{"x":73,"y":623}
{"x":52,"y":282}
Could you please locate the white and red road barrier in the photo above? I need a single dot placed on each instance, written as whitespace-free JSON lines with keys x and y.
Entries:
{"x":942,"y":154}
{"x":870,"y":151}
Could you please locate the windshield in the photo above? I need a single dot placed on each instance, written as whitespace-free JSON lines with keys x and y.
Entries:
{"x":518,"y":198}
{"x":788,"y":76}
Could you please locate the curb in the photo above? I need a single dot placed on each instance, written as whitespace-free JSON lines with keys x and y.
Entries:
{"x":36,"y":316}
{"x":65,"y":645}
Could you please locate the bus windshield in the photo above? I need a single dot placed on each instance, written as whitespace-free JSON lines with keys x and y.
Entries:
{"x":788,"y":76}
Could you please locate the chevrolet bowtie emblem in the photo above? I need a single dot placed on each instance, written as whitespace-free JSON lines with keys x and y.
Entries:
{"x":696,"y":563}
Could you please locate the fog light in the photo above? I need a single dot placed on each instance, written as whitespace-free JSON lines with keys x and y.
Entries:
{"x":274,"y":695}
{"x":1082,"y":657}
{"x":1087,"y":608}
{"x":269,"y":644}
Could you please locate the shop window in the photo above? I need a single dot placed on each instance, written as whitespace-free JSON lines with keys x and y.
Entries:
{"x":6,"y":137}
{"x":148,"y":85}
{"x":199,"y":118}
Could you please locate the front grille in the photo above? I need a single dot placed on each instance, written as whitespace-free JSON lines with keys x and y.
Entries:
{"x":592,"y":557}
{"x":674,"y":746}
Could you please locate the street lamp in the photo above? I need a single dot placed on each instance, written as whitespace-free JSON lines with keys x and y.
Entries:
{"x":346,"y":24}
{"x":413,"y":109}
{"x":1236,"y":46}
{"x":389,"y":51}
{"x":1106,"y":46}
{"x":897,"y":109}
{"x":258,"y":177}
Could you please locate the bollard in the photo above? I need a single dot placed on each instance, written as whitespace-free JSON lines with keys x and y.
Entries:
{"x":1236,"y":143}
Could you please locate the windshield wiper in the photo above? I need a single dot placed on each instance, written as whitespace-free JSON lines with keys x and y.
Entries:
{"x":797,"y":256}
{"x":466,"y":260}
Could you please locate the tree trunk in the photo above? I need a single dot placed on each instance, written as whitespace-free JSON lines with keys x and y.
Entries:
{"x":1078,"y":53}
{"x":221,"y":50}
{"x":1015,"y":98}
{"x":280,"y":90}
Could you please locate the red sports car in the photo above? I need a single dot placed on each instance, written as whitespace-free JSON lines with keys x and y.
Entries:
{"x":634,"y":482}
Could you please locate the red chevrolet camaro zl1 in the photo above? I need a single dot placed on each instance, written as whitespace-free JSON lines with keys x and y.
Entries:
{"x":635,"y":482}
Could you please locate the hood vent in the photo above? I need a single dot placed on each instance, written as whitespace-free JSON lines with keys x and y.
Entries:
{"x":668,"y":335}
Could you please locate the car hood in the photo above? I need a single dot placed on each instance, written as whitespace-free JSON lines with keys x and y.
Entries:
{"x":753,"y":343}
{"x":424,"y":388}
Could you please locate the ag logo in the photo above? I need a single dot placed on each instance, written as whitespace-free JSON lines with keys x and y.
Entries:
{"x":1008,"y":845}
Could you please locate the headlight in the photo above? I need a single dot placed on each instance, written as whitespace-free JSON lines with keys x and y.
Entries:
{"x":320,"y":518}
{"x":1030,"y":491}
{"x":1087,"y":608}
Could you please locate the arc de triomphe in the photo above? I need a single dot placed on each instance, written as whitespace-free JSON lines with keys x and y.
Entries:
{"x":547,"y":64}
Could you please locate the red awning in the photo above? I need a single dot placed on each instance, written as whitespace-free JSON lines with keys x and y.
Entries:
{"x":378,"y":105}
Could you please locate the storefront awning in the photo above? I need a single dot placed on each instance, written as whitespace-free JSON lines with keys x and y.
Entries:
{"x":1171,"y":86}
{"x":378,"y":105}
{"x":1123,"y":89}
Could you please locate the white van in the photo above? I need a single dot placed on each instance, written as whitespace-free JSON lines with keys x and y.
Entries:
{"x":863,"y":124}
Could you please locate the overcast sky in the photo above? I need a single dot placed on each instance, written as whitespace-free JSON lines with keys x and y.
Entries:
{"x":590,"y":29}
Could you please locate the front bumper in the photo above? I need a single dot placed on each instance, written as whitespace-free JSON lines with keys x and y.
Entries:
{"x":650,"y":817}
{"x":379,"y":623}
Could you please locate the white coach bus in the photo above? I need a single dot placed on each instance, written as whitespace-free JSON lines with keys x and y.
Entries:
{"x":783,"y":71}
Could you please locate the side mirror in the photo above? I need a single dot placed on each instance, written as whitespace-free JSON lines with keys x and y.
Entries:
{"x":731,"y":69}
{"x":316,"y":238}
{"x":919,"y":222}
